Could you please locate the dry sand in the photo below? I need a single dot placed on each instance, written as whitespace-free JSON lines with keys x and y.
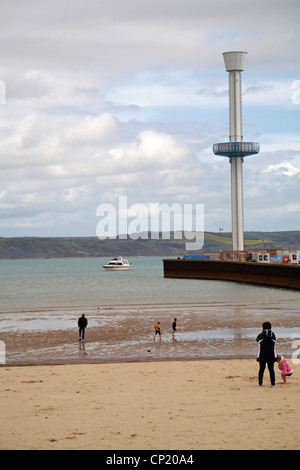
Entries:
{"x":173,"y":405}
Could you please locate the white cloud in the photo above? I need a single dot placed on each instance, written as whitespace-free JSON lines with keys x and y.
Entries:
{"x":150,"y":150}
{"x":284,"y":168}
{"x":92,"y":130}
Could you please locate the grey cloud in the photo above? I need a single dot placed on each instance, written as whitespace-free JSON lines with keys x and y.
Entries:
{"x":129,"y":34}
{"x":115,"y":97}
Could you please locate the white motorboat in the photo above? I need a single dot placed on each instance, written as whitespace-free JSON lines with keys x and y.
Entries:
{"x":117,"y":264}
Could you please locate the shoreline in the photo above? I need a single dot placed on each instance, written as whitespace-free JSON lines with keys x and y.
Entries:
{"x":213,"y":404}
{"x":116,"y":341}
{"x":120,"y":361}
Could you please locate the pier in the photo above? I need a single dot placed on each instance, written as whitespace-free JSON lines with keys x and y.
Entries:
{"x":266,"y":274}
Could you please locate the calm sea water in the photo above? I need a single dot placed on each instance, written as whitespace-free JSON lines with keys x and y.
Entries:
{"x":43,"y":284}
{"x":43,"y":295}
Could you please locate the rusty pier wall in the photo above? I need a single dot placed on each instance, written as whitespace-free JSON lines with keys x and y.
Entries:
{"x":267,"y":274}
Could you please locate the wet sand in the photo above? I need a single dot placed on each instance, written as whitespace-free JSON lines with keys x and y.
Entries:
{"x":120,"y":335}
{"x":174,"y":405}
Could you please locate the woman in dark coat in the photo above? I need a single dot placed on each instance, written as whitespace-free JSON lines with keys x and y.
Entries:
{"x":266,"y":355}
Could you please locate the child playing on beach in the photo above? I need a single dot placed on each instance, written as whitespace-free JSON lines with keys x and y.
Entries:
{"x":283,"y":366}
{"x":157,"y":331}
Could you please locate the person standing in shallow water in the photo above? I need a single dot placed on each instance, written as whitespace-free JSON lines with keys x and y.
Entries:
{"x":266,"y":355}
{"x":174,"y":328}
{"x":82,"y":324}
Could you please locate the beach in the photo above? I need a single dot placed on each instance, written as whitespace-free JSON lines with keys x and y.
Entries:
{"x":154,"y":405}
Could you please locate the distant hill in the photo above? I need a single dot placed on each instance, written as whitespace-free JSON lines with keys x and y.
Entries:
{"x":89,"y":247}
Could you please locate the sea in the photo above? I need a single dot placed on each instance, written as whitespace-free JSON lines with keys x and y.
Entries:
{"x":42,"y":299}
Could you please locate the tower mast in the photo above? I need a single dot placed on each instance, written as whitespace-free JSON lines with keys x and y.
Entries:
{"x":236,"y":149}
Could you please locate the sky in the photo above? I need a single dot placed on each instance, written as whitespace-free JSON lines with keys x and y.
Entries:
{"x":107,"y":99}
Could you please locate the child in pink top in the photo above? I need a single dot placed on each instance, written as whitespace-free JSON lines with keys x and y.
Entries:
{"x":283,"y":366}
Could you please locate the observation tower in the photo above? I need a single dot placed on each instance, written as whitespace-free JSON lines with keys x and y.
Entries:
{"x":236,"y":149}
